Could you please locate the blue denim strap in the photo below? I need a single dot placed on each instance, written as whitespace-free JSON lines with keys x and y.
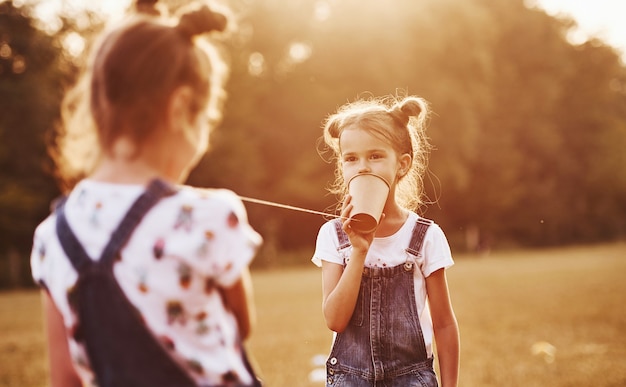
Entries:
{"x":344,"y":241}
{"x":417,"y":238}
{"x":70,"y":244}
{"x":415,"y":245}
{"x":156,"y":190}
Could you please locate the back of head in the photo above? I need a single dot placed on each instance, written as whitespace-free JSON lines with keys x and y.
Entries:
{"x":401,"y":122}
{"x":133,"y":71}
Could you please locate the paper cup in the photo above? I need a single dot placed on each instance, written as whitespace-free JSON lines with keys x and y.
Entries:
{"x":369,"y":193}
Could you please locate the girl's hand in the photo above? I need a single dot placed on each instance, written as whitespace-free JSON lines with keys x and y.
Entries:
{"x":341,"y":282}
{"x":360,"y":242}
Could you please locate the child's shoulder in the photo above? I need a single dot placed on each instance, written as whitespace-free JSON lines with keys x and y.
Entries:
{"x":414,"y":217}
{"x":333,"y":225}
{"x":46,"y":228}
{"x":433,"y":231}
{"x":213,"y":199}
{"x":331,"y":231}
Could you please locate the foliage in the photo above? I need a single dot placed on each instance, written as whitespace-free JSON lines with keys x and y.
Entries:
{"x":35,"y":69}
{"x":528,"y":129}
{"x":32,"y":73}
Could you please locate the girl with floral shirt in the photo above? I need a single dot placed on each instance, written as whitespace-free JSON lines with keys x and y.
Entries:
{"x":149,"y":97}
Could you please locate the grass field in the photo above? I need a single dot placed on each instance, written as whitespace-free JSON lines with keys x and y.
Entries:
{"x":551,"y":318}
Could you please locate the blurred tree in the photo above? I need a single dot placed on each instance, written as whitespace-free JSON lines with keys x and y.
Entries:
{"x":35,"y":69}
{"x":591,"y":118}
{"x":265,"y":147}
{"x":538,"y":147}
{"x":527,"y":128}
{"x":513,"y":173}
{"x":496,"y":73}
{"x":32,"y":74}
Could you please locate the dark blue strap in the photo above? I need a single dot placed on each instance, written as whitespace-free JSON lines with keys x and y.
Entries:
{"x":156,"y":190}
{"x":344,"y":241}
{"x":72,"y":247}
{"x":417,"y":238}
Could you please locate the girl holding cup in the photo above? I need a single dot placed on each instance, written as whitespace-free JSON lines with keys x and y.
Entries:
{"x":385,"y":292}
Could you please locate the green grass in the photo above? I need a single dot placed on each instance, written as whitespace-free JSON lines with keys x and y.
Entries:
{"x":572,"y":298}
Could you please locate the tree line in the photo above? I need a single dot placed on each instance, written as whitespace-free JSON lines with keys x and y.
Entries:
{"x":528,"y":129}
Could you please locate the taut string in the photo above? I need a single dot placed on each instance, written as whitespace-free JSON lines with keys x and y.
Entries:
{"x":285,"y":206}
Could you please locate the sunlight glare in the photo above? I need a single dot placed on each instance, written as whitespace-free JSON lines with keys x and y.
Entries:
{"x":545,"y":350}
{"x":75,"y":44}
{"x":19,"y":64}
{"x":114,"y":8}
{"x":5,"y":50}
{"x":299,"y":52}
{"x":322,"y":11}
{"x":48,"y":11}
{"x":602,"y":19}
{"x":256,"y":64}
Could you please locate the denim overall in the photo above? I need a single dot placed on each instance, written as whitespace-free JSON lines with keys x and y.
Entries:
{"x":383,"y":345}
{"x":122,"y":351}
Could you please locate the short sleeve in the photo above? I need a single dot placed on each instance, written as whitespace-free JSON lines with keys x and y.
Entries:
{"x":326,"y":246}
{"x":37,"y":255}
{"x":40,"y":265}
{"x":436,"y":251}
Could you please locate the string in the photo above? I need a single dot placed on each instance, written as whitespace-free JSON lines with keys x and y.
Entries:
{"x":285,"y":206}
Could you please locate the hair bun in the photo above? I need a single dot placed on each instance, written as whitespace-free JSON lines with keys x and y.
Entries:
{"x":200,"y":21}
{"x":407,"y":108}
{"x":412,"y":106}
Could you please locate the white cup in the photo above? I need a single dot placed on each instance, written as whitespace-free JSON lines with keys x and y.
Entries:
{"x":369,"y":193}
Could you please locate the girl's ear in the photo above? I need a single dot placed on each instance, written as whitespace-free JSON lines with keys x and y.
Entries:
{"x":178,"y":109}
{"x":404,"y":164}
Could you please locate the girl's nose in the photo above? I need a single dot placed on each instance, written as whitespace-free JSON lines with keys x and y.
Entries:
{"x":364,"y":168}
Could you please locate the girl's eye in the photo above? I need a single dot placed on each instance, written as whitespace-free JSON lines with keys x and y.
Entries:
{"x":375,"y":156}
{"x":348,"y":159}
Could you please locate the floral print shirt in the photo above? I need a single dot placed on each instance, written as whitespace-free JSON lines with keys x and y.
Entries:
{"x":185,"y":248}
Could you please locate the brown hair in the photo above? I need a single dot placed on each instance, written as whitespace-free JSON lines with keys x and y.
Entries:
{"x":130,"y":76}
{"x":399,"y":121}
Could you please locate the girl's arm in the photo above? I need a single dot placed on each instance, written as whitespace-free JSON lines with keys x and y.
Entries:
{"x":445,"y":327}
{"x":340,"y":288}
{"x":239,"y":300}
{"x":340,"y":284}
{"x":62,"y":372}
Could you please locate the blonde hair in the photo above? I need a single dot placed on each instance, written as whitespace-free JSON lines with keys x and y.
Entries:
{"x":401,"y":122}
{"x":130,"y":76}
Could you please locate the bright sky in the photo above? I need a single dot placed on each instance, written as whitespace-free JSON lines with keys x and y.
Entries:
{"x":47,"y":8}
{"x":604,"y":19}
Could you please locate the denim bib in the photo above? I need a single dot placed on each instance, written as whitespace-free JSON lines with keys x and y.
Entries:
{"x":383,"y":344}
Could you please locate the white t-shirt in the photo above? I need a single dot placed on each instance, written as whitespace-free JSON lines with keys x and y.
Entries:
{"x":390,"y":251}
{"x":184,"y":247}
